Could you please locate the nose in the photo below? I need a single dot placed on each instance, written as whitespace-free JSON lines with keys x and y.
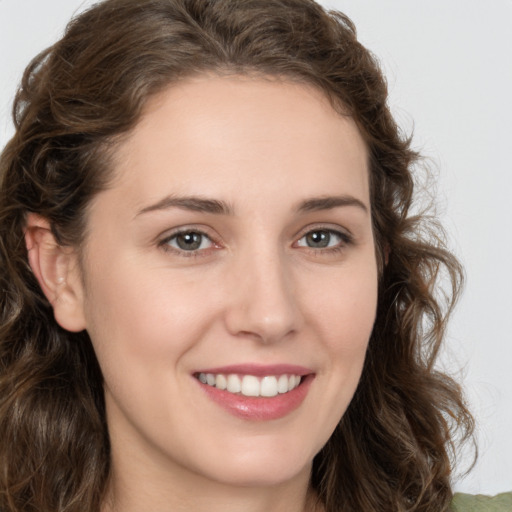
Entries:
{"x":263,"y":302}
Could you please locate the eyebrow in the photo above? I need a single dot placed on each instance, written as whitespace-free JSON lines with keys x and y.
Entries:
{"x":215,"y":206}
{"x":193,"y":203}
{"x":329,"y":202}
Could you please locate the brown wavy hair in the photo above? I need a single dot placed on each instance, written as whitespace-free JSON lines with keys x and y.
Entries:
{"x":392,"y":449}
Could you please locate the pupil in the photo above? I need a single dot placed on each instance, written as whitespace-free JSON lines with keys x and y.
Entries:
{"x":318,"y":239}
{"x":189,"y":241}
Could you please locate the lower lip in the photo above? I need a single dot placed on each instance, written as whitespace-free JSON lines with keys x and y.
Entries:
{"x":259,"y":408}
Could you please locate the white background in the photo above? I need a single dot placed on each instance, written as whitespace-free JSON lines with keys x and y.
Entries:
{"x":449,"y":68}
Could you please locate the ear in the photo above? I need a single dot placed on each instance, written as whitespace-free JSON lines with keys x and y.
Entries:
{"x":57,"y":271}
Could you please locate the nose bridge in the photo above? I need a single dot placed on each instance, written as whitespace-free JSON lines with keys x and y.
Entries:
{"x":263,"y":304}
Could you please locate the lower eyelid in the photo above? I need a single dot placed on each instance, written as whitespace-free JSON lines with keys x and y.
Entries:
{"x":165,"y":242}
{"x":344,"y":238}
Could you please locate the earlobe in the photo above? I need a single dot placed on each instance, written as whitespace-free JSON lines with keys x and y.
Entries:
{"x":56,"y":269}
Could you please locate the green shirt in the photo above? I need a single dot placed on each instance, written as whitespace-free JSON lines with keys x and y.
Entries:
{"x":480,"y":503}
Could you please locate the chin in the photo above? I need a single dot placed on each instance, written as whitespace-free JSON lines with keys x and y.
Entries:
{"x":263,"y":477}
{"x":262,"y":468}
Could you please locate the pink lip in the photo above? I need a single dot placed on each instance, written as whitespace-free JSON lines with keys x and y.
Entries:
{"x":259,"y":408}
{"x":259,"y":370}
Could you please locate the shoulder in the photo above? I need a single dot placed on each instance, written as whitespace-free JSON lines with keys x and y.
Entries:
{"x":480,"y":503}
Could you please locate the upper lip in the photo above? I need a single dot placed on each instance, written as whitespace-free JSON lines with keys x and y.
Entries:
{"x":258,"y":370}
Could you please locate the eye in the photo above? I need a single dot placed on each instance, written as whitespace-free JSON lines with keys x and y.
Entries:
{"x":188,"y":241}
{"x":323,"y":239}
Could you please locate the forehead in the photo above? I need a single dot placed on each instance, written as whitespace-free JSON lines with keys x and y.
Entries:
{"x":241,"y":136}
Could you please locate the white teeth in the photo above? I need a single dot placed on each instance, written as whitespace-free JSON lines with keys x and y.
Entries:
{"x":221,"y":382}
{"x":234,"y":384}
{"x":268,"y":386}
{"x":249,"y":385}
{"x":282,"y":384}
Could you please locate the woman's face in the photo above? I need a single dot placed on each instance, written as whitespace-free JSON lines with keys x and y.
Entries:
{"x":235,"y":247}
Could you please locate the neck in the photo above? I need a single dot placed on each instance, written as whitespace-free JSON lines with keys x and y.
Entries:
{"x":196,"y":493}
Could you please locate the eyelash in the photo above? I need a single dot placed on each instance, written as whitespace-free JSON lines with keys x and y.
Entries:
{"x":165,"y":243}
{"x":345,"y":240}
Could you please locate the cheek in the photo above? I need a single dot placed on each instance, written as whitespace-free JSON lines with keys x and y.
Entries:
{"x":344,"y":305}
{"x":342,"y":316}
{"x":138,"y":314}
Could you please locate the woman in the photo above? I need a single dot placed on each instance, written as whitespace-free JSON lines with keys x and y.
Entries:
{"x":214,"y":296}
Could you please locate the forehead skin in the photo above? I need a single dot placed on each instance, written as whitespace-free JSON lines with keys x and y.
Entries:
{"x":206,"y":111}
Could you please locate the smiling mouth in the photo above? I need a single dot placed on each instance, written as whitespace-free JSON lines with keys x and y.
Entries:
{"x":250,"y":385}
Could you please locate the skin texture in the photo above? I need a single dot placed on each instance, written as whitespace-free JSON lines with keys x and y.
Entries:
{"x":253,"y":293}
